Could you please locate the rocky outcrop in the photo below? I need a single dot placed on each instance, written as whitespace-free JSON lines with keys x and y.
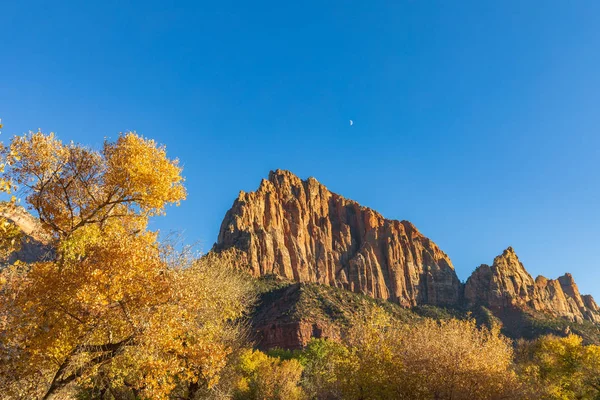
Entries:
{"x":289,"y":314}
{"x":280,"y":322}
{"x":589,"y":302}
{"x":506,"y":285}
{"x":299,"y":230}
{"x":35,"y":243}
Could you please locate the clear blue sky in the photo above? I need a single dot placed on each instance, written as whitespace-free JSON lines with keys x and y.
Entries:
{"x":476,"y":120}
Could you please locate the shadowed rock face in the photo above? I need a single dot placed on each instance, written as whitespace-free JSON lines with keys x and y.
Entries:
{"x":276,"y":325}
{"x":298,"y":229}
{"x":507,"y":285}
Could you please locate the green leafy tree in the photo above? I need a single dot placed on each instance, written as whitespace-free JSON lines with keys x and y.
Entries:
{"x":321,"y":360}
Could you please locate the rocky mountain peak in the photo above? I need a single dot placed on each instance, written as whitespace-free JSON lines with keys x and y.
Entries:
{"x":298,"y":229}
{"x":507,"y":285}
{"x":509,"y":261}
{"x":567,"y":281}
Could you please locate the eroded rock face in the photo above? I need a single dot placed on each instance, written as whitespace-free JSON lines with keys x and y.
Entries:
{"x":298,"y":229}
{"x":507,"y":285}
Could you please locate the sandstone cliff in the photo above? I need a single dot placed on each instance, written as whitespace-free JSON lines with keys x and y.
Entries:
{"x":299,"y":230}
{"x":506,"y":285}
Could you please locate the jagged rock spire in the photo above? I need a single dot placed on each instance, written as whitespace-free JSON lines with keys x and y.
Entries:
{"x":507,"y":285}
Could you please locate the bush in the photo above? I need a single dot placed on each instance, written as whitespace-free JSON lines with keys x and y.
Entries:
{"x":383,"y":359}
{"x":268,"y":378}
{"x":561,"y":368}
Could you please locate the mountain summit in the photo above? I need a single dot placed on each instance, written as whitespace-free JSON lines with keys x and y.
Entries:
{"x":506,"y":285}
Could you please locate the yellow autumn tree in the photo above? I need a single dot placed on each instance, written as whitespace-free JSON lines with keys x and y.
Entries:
{"x":372,"y":368}
{"x":268,"y":378}
{"x":113,"y":305}
{"x":455,"y":359}
{"x":10,"y":235}
{"x":451,"y":359}
{"x":561,"y":367}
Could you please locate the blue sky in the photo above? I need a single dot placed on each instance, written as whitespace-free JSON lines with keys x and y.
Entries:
{"x":476,"y":120}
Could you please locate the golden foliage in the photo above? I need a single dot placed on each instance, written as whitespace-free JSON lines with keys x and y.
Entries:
{"x":70,"y":186}
{"x":561,"y":368}
{"x":140,"y":170}
{"x":451,"y":359}
{"x":268,"y":378}
{"x":10,"y":238}
{"x":372,"y":369}
{"x":457,"y":360}
{"x":6,"y":184}
{"x":114,"y":303}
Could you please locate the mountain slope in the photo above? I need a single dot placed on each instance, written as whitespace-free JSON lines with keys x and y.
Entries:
{"x":289,"y":314}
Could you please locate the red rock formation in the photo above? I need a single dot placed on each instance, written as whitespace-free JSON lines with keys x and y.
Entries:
{"x":277,"y":324}
{"x":300,"y":230}
{"x":507,"y":285}
{"x":589,"y":302}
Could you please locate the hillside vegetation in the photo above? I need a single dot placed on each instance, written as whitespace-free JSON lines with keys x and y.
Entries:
{"x":332,"y":310}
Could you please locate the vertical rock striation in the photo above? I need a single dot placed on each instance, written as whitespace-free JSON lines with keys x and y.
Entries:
{"x":299,"y":230}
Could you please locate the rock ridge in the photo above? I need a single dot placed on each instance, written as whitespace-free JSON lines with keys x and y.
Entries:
{"x":299,"y":230}
{"x":507,"y":285}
